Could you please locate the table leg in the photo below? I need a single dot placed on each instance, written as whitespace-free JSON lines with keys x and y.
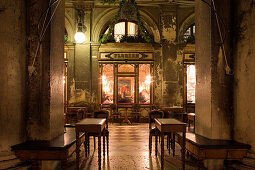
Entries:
{"x":150,"y":143}
{"x":88,"y":145}
{"x":162,"y":151}
{"x":35,"y":165}
{"x":85,"y":145}
{"x":156,"y":145}
{"x":107,"y":140}
{"x":104,"y":142}
{"x":77,"y":151}
{"x":64,"y":164}
{"x":126,"y":119}
{"x":183,"y":150}
{"x":99,"y":151}
{"x":173,"y":144}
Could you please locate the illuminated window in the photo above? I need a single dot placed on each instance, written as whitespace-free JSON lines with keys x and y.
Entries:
{"x":107,"y":84}
{"x":124,"y":28}
{"x":191,"y":83}
{"x":189,"y":35}
{"x":126,"y":68}
{"x":144,"y":83}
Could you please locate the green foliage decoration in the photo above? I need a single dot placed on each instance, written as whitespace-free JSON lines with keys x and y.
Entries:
{"x":190,"y":39}
{"x":145,"y":37}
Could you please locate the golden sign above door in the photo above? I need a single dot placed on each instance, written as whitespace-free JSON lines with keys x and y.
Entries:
{"x":126,"y":56}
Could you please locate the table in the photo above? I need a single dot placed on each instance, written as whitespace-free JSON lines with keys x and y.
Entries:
{"x":174,"y":109}
{"x":126,"y":120}
{"x":171,"y":125}
{"x":90,"y":125}
{"x":59,"y":148}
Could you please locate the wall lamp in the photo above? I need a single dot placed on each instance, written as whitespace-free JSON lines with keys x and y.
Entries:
{"x":79,"y":35}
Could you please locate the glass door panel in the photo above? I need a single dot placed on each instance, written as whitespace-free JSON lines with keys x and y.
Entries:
{"x":144,"y":83}
{"x":191,"y":83}
{"x":126,"y":90}
{"x":107,"y":84}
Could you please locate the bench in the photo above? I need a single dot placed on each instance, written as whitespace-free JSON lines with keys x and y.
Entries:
{"x":204,"y":148}
{"x":60,"y":148}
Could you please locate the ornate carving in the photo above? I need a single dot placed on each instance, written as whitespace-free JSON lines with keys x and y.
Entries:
{"x":128,"y":11}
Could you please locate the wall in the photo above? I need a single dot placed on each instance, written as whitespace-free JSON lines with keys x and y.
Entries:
{"x":244,"y":72}
{"x":13,"y":73}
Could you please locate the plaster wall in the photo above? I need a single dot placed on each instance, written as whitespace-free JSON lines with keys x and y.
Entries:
{"x":13,"y":73}
{"x":244,"y":72}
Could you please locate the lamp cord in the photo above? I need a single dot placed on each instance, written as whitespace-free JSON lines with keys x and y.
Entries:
{"x":227,"y":68}
{"x":43,"y":31}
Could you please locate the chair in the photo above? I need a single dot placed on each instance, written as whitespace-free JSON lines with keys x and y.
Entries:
{"x":114,"y":113}
{"x":136,"y":111}
{"x":91,"y":109}
{"x":98,"y":114}
{"x":153,"y":130}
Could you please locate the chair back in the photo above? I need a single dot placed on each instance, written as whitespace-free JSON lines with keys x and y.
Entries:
{"x":113,"y":107}
{"x":91,"y":108}
{"x":102,"y":114}
{"x":136,"y":107}
{"x":154,"y":114}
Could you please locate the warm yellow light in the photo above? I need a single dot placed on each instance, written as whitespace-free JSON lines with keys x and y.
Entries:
{"x":79,"y":37}
{"x":148,"y":80}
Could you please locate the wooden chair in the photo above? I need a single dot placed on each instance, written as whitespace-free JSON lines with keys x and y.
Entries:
{"x":98,"y":114}
{"x":114,"y":113}
{"x":136,"y":112}
{"x":153,"y":130}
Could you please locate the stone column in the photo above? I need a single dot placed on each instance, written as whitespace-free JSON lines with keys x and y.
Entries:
{"x":172,"y":65}
{"x":213,"y":89}
{"x":46,"y":71}
{"x":214,"y":86}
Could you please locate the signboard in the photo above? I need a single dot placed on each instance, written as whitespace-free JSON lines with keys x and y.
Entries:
{"x":125,"y":56}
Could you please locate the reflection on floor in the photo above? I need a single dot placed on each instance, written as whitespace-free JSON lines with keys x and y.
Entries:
{"x":129,"y":150}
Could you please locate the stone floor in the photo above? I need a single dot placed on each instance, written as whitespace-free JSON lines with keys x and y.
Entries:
{"x":129,"y":150}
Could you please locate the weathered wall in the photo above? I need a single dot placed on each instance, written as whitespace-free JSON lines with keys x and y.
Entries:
{"x":13,"y":73}
{"x":244,"y":72}
{"x":213,"y":95}
{"x":172,"y":66}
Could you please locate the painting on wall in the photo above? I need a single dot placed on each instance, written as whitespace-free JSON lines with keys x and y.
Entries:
{"x":125,"y":90}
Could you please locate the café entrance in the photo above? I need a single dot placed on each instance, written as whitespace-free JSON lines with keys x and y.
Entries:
{"x":126,"y":76}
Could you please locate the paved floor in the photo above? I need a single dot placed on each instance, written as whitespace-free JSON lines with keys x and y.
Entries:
{"x":129,"y":150}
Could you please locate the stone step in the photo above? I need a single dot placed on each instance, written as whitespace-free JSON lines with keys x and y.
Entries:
{"x":9,"y":161}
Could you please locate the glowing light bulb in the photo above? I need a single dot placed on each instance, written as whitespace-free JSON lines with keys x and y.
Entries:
{"x":79,"y":37}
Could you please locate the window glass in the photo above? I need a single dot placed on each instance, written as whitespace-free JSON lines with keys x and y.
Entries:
{"x":126,"y":90}
{"x":144,"y":83}
{"x":107,"y":84}
{"x":191,"y":83}
{"x":126,"y":67}
{"x":119,"y":31}
{"x":132,"y":29}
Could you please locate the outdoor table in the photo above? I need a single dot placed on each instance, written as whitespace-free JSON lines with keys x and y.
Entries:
{"x":90,"y":125}
{"x":171,"y":125}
